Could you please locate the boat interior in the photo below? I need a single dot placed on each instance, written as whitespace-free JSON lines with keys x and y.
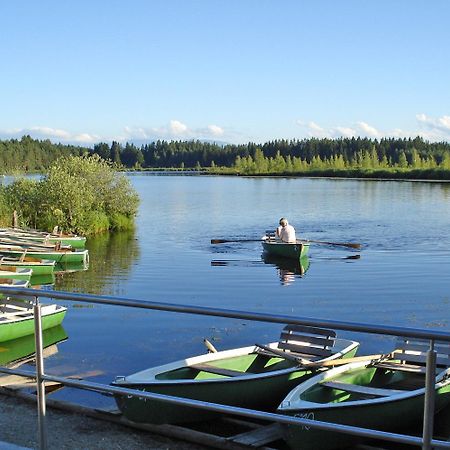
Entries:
{"x":296,"y":344}
{"x":403,"y":371}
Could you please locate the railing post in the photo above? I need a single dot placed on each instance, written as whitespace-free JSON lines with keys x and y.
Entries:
{"x":40,"y":383}
{"x":430,"y":383}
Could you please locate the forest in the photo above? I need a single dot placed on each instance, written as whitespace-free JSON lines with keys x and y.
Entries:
{"x":389,"y":157}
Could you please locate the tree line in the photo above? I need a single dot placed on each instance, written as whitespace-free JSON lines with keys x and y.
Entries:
{"x":273,"y":157}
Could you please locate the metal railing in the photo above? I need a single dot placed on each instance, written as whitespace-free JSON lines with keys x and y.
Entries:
{"x":426,"y":441}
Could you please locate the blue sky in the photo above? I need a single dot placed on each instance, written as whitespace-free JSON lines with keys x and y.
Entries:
{"x":232,"y":71}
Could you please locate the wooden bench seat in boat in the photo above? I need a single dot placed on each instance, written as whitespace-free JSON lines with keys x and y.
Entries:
{"x":358,"y":389}
{"x":411,"y":356}
{"x":217,"y":370}
{"x":303,"y":342}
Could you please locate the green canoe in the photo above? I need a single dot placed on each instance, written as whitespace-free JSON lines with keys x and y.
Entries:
{"x":386,"y":396}
{"x":252,"y":377}
{"x":17,"y":318}
{"x":286,"y":250}
{"x":59,"y":256}
{"x":37,"y":265}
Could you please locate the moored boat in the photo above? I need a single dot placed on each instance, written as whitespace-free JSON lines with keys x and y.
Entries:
{"x":15,"y":273}
{"x":72,"y":240}
{"x":384,"y":394}
{"x":59,"y":256}
{"x":17,"y":318}
{"x":278,"y":248}
{"x":37,"y":265}
{"x":257,"y":376}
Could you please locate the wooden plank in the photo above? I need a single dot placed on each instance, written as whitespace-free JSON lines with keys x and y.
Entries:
{"x":349,"y":387}
{"x":420,"y":358}
{"x":259,"y":436}
{"x":303,"y":349}
{"x":302,"y":339}
{"x":217,"y":370}
{"x":310,"y":330}
{"x":401,"y":367}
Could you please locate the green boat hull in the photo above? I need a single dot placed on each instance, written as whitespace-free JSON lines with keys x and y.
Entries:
{"x":24,"y":347}
{"x":15,"y":275}
{"x":78,"y":256}
{"x":285,"y":250}
{"x":44,"y":268}
{"x":20,"y":328}
{"x":261,"y":392}
{"x":395,"y":415}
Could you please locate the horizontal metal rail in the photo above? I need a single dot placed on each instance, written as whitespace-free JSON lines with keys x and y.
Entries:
{"x":216,"y":407}
{"x":234,"y":314}
{"x":191,"y":309}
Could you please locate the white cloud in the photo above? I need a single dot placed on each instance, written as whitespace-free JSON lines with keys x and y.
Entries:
{"x":175,"y":129}
{"x":215,"y":130}
{"x":178,"y":129}
{"x":53,"y":134}
{"x":429,"y":128}
{"x":368,"y":130}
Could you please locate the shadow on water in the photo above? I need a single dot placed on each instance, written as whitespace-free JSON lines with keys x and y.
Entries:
{"x":111,"y":257}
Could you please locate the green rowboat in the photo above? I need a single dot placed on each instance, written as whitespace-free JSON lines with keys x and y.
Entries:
{"x":278,"y":248}
{"x":38,"y":266}
{"x":256,"y":377}
{"x":42,"y":237}
{"x":17,"y":318}
{"x":59,"y":256}
{"x":386,"y":395}
{"x":15,"y":273}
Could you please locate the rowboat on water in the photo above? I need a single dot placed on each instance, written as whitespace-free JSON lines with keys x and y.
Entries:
{"x":72,"y":240}
{"x":39,"y":266}
{"x":257,"y":377}
{"x":383,"y":394}
{"x":15,"y":273}
{"x":286,"y":250}
{"x":17,"y":317}
{"x":62,"y":255}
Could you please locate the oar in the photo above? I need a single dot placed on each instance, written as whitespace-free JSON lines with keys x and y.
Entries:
{"x":343,"y":244}
{"x":318,"y":364}
{"x":224,"y":241}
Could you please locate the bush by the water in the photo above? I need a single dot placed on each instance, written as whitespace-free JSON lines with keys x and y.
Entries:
{"x":80,"y":194}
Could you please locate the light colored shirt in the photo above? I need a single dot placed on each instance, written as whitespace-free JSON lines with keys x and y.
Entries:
{"x":287,"y":233}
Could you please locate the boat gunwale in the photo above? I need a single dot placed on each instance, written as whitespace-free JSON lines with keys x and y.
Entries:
{"x":30,"y":316}
{"x":346,"y":346}
{"x":442,"y":379}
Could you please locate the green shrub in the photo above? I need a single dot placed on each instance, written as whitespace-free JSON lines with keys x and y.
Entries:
{"x":81,"y":194}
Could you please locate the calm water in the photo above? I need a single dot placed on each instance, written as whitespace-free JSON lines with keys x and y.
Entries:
{"x":400,"y":277}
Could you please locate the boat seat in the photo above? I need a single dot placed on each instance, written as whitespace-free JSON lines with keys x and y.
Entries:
{"x":217,"y":370}
{"x":411,"y":356}
{"x":358,"y":389}
{"x":306,"y":341}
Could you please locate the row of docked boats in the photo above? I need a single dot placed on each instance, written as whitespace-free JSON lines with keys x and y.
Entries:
{"x":31,"y":258}
{"x":308,"y":373}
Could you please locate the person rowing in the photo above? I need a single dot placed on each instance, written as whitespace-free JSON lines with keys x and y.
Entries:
{"x":286,"y":232}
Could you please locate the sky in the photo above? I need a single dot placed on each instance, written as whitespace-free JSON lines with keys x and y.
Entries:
{"x":228,"y":71}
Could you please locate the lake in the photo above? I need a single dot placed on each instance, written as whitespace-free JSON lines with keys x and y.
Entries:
{"x":400,"y":276}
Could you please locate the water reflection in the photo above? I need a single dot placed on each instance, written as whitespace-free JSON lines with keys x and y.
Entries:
{"x":20,"y":351}
{"x":111,"y":256}
{"x":288,"y":269}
